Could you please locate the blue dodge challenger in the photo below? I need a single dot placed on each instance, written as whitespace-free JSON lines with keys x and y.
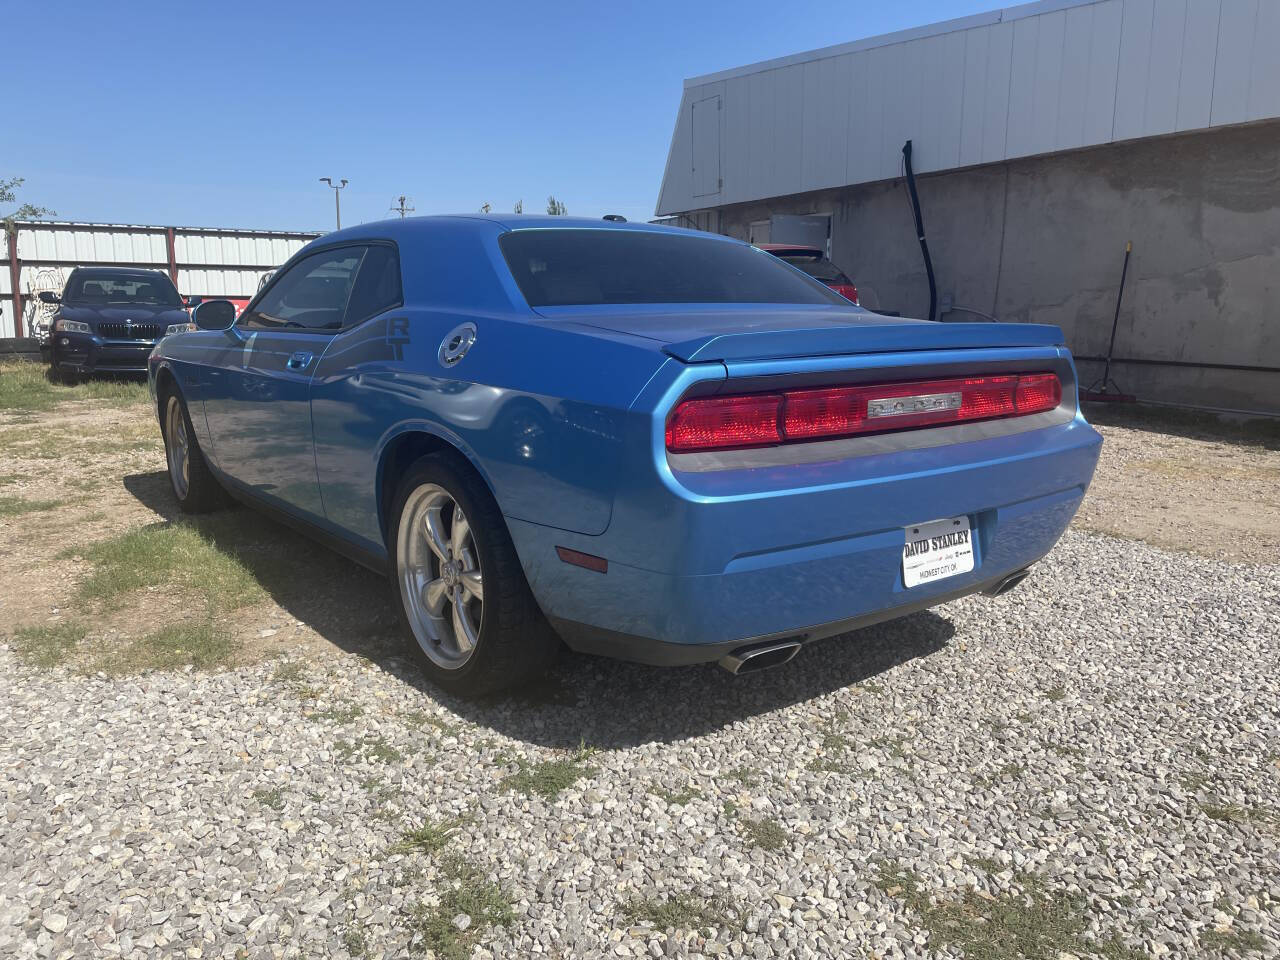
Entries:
{"x":647,"y":442}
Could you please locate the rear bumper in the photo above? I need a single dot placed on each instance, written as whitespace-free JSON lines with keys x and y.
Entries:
{"x":811,"y":561}
{"x":585,"y":638}
{"x":87,"y":353}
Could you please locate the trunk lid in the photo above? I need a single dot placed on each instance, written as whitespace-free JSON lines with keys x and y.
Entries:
{"x":698,"y":333}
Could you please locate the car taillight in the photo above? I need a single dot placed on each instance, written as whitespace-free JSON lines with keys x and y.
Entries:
{"x":716,"y":422}
{"x":846,"y":290}
{"x":766,"y":419}
{"x":1041,"y":391}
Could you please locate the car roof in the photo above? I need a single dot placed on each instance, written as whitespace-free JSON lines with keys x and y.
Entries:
{"x":486,"y":222}
{"x":118,"y":271}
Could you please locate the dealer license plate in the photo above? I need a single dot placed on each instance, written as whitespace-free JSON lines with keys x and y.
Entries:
{"x":937,"y":550}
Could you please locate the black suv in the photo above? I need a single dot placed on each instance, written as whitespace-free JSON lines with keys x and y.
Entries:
{"x":109,"y":318}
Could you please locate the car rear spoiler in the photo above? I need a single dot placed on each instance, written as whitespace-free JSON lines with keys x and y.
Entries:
{"x":832,"y":341}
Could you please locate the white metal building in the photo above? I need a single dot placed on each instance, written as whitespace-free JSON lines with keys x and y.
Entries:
{"x":201,"y":261}
{"x":1033,"y":79}
{"x":1046,"y":137}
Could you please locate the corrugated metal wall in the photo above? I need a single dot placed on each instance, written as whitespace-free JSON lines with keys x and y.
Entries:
{"x":1028,"y":80}
{"x":209,"y":262}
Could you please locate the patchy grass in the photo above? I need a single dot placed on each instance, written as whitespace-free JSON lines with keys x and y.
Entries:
{"x":291,"y":671}
{"x":167,"y":553}
{"x":549,"y":778}
{"x":893,"y":746}
{"x":838,"y":749}
{"x":198,"y":644}
{"x":835,"y":741}
{"x":870,"y":686}
{"x":353,"y":940}
{"x":987,"y":865}
{"x":743,"y":775}
{"x":1234,"y":813}
{"x":417,"y":719}
{"x":1233,"y":941}
{"x":832,"y":765}
{"x":681,"y":912}
{"x":1193,"y":781}
{"x":338,"y":713}
{"x":26,"y":386}
{"x":1033,"y":924}
{"x":1055,"y":694}
{"x":47,"y":646}
{"x":765,"y":833}
{"x":428,"y":838}
{"x":17,"y":506}
{"x":677,"y":798}
{"x":469,"y":893}
{"x":371,"y":748}
{"x":274,"y":799}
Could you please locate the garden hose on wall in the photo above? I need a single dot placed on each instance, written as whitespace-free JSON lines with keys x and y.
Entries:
{"x":924,"y":244}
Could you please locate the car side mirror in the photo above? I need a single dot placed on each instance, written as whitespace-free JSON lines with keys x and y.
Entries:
{"x":48,"y":296}
{"x":214,"y":315}
{"x":193,"y":302}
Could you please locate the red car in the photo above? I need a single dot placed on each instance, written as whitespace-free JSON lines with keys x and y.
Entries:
{"x":815,"y":263}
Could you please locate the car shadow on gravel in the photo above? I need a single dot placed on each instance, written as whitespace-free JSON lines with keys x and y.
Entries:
{"x":602,"y":703}
{"x":609,"y":704}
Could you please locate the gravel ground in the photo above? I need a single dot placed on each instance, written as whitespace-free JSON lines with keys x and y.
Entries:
{"x":1090,"y":765}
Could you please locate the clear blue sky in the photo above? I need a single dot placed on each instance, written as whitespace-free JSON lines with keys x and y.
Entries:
{"x":226,"y":113}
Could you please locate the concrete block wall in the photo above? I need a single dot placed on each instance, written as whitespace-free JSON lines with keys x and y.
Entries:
{"x":1042,"y":240}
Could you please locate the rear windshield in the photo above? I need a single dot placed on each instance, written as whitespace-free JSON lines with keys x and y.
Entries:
{"x":122,"y":288}
{"x":816,"y":265}
{"x":560,"y":267}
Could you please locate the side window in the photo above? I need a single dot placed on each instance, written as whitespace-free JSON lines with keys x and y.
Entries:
{"x":311,"y":295}
{"x":377,"y":284}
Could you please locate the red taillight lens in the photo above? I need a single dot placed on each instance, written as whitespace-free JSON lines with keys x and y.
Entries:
{"x":1038,"y":392}
{"x":846,"y":290}
{"x":764,"y":419}
{"x":717,"y":422}
{"x":822,"y":413}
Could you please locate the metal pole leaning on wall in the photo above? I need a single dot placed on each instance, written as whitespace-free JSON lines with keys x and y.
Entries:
{"x":1101,"y":389}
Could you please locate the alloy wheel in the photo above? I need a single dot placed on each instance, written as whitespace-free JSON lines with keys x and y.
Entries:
{"x":178,"y":447}
{"x":440,"y":577}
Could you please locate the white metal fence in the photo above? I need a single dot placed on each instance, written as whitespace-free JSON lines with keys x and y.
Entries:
{"x":204,"y":262}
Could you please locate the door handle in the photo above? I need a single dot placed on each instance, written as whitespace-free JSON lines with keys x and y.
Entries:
{"x":299,"y":361}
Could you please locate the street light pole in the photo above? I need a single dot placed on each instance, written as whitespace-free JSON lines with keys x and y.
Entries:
{"x":337,"y":206}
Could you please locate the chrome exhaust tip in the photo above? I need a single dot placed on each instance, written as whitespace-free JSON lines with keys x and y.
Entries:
{"x":1008,"y":583}
{"x":753,"y":659}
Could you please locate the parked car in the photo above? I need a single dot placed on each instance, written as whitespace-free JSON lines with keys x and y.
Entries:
{"x":815,"y":263}
{"x":656,"y":444}
{"x":110,"y":318}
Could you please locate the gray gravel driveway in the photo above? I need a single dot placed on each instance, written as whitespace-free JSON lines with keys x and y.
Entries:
{"x":1089,"y":766}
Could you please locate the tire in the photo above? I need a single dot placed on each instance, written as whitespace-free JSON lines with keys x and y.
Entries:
{"x":195,"y":488}
{"x":507,"y":641}
{"x":65,"y":376}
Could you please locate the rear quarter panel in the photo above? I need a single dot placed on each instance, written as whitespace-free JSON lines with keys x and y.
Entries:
{"x":539,"y":412}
